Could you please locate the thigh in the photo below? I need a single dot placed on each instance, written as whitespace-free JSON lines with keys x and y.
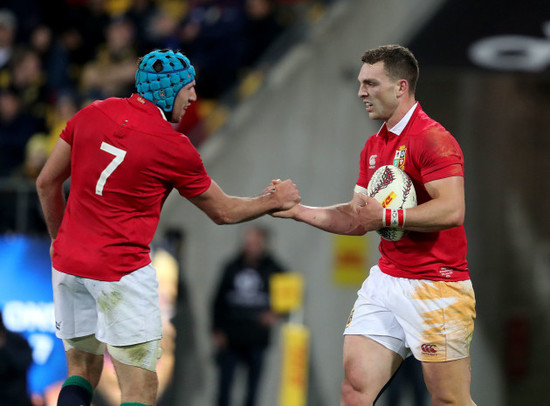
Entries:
{"x":368,"y":366}
{"x":448,"y":382}
{"x":128,"y":310}
{"x":373,"y":317}
{"x":74,"y":306}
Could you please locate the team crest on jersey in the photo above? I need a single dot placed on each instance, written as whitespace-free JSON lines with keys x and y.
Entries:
{"x":399,"y":158}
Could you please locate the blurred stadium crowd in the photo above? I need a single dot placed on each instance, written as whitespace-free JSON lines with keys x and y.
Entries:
{"x":58,"y":55}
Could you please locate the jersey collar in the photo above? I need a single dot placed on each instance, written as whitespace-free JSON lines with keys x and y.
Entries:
{"x":147,"y":105}
{"x":400,"y":126}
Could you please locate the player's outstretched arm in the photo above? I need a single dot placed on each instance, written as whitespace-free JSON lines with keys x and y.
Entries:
{"x":338,"y":219}
{"x":225,"y":209}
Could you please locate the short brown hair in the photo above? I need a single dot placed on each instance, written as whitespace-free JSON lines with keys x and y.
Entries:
{"x":399,"y":63}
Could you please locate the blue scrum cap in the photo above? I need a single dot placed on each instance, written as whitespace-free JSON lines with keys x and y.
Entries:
{"x":161,"y":75}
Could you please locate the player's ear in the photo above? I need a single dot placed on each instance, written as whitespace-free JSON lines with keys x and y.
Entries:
{"x":402,"y":87}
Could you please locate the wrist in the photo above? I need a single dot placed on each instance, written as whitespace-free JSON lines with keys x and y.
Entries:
{"x":394,"y":218}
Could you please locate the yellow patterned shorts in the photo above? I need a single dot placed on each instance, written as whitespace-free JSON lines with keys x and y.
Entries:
{"x":433,"y":320}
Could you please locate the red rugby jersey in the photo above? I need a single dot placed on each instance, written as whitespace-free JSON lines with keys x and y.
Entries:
{"x":426,"y":152}
{"x":125,"y":160}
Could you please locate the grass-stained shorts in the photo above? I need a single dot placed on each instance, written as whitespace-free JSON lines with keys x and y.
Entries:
{"x":120,"y":313}
{"x":434,"y":320}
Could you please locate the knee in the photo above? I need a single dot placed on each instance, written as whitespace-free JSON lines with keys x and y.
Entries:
{"x":351,"y":395}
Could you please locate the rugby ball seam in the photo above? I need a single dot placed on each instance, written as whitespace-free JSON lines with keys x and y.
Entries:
{"x":386,"y":179}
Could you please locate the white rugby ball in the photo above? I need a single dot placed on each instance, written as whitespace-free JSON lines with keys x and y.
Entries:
{"x":394,"y":189}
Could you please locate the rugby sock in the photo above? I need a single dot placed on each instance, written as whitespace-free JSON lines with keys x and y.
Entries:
{"x":133,"y":404}
{"x":76,"y":391}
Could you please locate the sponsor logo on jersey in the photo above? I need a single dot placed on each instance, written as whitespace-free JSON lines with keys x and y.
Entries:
{"x":399,"y":157}
{"x":372,"y":161}
{"x":446,"y":272}
{"x":429,"y":349}
{"x":389,"y":198}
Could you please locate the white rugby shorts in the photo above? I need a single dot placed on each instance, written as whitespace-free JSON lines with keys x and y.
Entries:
{"x":120,"y":313}
{"x":434,"y":320}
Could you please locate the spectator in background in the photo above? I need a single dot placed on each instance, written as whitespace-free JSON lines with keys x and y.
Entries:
{"x":15,"y":361}
{"x":112,"y":71}
{"x":54,"y":60}
{"x":242,"y":317}
{"x":214,"y":37}
{"x":41,"y":144}
{"x":27,"y":14}
{"x":142,"y":13}
{"x":263,"y":27}
{"x":86,"y":25}
{"x":8,"y":26}
{"x":16,"y":127}
{"x":162,"y":31}
{"x":28,"y":80}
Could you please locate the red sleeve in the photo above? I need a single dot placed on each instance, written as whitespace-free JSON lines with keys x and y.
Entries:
{"x":68,"y":132}
{"x":441,"y":156}
{"x":190,"y":177}
{"x":363,"y":180}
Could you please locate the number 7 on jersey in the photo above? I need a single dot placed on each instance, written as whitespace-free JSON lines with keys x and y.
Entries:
{"x":119,"y":157}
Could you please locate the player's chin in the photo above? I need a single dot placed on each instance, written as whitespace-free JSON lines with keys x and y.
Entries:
{"x":177,"y":116}
{"x":373,"y":115}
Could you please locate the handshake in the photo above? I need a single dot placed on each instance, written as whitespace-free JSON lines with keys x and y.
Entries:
{"x":286,"y":197}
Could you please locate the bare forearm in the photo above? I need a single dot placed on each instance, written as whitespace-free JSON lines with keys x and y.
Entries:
{"x":53,"y":207}
{"x":337,"y":219}
{"x":434,"y":216}
{"x":225,"y":209}
{"x":240,"y":209}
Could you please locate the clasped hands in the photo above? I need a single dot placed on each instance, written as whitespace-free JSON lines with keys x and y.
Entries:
{"x":286,"y":193}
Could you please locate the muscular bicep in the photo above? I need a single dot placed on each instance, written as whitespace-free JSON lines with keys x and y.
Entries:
{"x":449,"y":189}
{"x":445,"y":209}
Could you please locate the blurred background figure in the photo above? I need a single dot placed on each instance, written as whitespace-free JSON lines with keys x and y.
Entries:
{"x":263,"y":27}
{"x":41,"y":144}
{"x":213,"y":34}
{"x":8,"y":26}
{"x":242,"y":318}
{"x":54,"y":60}
{"x":28,"y":81}
{"x":16,"y":127}
{"x":111,"y":72}
{"x":15,"y":361}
